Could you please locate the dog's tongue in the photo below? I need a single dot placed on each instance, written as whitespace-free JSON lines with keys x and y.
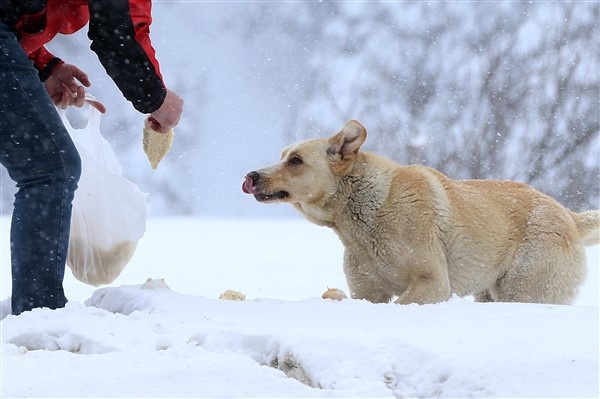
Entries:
{"x":248,"y":186}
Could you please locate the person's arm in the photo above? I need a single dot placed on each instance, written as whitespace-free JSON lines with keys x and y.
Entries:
{"x":120,"y":35}
{"x":45,"y":62}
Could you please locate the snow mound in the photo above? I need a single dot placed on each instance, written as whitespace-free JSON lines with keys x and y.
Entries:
{"x":174,"y":345}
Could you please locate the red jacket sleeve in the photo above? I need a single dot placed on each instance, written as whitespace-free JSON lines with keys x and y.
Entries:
{"x":45,"y":62}
{"x":120,"y":35}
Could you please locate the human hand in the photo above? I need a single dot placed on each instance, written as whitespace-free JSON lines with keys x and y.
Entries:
{"x":167,"y":116}
{"x":64,"y":89}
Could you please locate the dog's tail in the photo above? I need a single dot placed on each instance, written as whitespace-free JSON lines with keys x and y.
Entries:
{"x":588,"y":225}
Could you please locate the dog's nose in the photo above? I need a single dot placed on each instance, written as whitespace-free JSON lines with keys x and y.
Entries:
{"x":253,"y":176}
{"x":249,"y":182}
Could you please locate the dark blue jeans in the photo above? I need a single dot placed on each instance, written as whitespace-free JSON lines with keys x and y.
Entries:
{"x":40,"y":157}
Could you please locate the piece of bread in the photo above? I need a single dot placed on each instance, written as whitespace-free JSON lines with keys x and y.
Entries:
{"x":156,"y":144}
{"x":232,"y":295}
{"x":334,"y":293}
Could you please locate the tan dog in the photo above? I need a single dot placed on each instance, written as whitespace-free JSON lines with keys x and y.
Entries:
{"x":414,"y":233}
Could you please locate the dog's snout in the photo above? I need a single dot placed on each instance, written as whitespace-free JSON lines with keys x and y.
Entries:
{"x":249,"y":182}
{"x":253,"y":176}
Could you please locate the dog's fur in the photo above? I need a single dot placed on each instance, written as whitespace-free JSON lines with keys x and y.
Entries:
{"x":413,"y":233}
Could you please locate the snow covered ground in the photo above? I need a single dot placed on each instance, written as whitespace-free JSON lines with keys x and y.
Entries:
{"x":175,"y":338}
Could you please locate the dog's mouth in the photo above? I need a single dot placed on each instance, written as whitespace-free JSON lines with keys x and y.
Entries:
{"x":249,"y":188}
{"x":261,"y":197}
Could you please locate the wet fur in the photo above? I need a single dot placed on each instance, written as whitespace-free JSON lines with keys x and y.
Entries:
{"x":414,"y":234}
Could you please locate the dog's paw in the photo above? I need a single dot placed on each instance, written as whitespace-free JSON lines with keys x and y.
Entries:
{"x":334,"y":293}
{"x":232,"y":295}
{"x":155,"y":284}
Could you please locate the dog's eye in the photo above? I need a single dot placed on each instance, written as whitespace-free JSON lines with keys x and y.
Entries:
{"x":295,"y":160}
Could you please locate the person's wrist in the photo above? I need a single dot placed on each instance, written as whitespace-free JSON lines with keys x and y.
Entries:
{"x":50,"y":68}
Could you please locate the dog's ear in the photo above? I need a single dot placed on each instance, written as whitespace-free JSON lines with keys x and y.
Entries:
{"x":345,"y":144}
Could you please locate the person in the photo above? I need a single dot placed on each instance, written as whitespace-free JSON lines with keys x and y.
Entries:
{"x":35,"y":147}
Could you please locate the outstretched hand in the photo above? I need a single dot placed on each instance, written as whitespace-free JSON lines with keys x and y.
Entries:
{"x":65,"y":87}
{"x":167,"y":116}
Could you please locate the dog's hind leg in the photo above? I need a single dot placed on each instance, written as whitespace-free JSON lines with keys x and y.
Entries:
{"x":544,"y":271}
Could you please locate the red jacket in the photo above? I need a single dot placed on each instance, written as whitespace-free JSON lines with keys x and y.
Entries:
{"x":119,"y":31}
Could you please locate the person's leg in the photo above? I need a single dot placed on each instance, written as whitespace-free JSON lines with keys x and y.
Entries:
{"x":41,"y":158}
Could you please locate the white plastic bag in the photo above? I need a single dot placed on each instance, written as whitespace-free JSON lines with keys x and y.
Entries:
{"x":109,"y":211}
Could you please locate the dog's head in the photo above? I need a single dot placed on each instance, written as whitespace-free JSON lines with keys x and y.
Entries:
{"x":309,"y":171}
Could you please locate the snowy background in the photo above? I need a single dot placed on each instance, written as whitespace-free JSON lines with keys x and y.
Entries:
{"x":495,"y":89}
{"x":144,"y":340}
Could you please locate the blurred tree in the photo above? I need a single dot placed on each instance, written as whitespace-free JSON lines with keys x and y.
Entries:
{"x":502,"y":90}
{"x":478,"y":90}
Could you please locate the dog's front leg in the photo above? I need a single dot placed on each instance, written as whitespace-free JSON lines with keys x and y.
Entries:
{"x":425,"y":289}
{"x":363,"y":289}
{"x":362,"y":279}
